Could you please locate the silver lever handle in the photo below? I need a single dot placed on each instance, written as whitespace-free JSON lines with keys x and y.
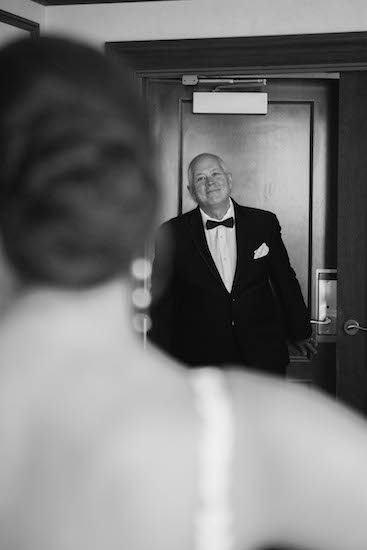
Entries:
{"x":351,"y":327}
{"x":325,"y":321}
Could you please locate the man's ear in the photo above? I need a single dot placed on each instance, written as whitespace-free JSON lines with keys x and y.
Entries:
{"x":191,"y":192}
{"x":229,"y":179}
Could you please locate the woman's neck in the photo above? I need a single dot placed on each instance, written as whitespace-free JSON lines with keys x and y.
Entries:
{"x":97,"y":314}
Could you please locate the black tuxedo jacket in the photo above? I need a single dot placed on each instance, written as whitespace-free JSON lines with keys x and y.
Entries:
{"x":195,"y":318}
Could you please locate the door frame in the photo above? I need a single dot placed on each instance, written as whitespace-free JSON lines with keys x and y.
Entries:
{"x":247,"y":55}
{"x":289,"y":54}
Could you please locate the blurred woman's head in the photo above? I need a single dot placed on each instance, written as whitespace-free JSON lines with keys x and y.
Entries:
{"x":77,"y":183}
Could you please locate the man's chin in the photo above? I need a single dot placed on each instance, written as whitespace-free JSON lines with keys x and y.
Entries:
{"x":217,"y":199}
{"x":215,"y":196}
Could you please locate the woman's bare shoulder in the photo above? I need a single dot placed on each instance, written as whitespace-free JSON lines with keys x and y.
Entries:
{"x":279,"y":410}
{"x":301,"y":450}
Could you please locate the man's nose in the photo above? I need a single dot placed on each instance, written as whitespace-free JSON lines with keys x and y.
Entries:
{"x":209,"y":180}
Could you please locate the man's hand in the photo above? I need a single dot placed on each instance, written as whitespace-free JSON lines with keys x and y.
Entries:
{"x":306,"y":347}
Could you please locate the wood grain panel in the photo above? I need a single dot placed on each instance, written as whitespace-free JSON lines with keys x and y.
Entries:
{"x":248,"y":54}
{"x":352,"y":237}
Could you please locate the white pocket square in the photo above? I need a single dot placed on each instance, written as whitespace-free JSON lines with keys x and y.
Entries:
{"x":262,"y":251}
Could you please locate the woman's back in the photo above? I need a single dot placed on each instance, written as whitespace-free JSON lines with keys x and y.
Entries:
{"x":103,"y":439}
{"x":102,"y":442}
{"x":90,"y":426}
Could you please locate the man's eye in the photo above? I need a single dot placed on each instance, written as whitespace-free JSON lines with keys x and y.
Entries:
{"x":200,"y":179}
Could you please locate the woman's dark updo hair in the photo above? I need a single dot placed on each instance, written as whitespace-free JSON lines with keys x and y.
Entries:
{"x":77,"y":183}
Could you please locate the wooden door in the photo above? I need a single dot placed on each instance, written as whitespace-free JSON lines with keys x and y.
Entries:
{"x":352,"y":236}
{"x":283,"y":161}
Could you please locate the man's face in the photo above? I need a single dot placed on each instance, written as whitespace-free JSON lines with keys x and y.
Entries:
{"x":211,"y":186}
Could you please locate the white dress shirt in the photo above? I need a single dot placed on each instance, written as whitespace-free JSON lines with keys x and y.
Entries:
{"x":222,"y":245}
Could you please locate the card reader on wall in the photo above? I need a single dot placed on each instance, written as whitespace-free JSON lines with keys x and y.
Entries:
{"x":326,"y":304}
{"x":245,"y":103}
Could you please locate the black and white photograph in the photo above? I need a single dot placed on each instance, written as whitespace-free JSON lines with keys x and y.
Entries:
{"x":183,"y":275}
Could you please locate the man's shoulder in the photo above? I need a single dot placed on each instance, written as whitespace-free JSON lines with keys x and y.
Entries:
{"x":180,"y":220}
{"x":254,"y":212}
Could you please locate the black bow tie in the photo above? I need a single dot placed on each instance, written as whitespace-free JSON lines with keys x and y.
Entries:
{"x":229,"y":222}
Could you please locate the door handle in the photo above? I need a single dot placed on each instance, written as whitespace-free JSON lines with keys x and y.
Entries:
{"x":325,"y":321}
{"x":351,"y":327}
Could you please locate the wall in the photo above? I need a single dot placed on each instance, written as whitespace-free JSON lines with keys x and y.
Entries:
{"x":193,"y":18}
{"x":21,"y":8}
{"x":25,"y":8}
{"x":8,"y":32}
{"x":206,"y":18}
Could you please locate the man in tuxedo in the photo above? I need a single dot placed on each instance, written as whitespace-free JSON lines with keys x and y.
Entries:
{"x":223,"y":290}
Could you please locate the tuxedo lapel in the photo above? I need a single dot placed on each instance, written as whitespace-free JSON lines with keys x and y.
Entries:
{"x":243,"y":238}
{"x":198,"y":236}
